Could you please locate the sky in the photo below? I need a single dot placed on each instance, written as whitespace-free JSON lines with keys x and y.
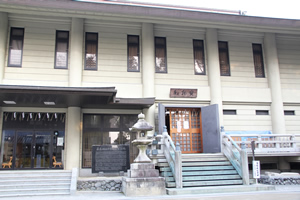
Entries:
{"x":289,"y":9}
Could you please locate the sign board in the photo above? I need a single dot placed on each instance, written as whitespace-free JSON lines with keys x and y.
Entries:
{"x":183,"y":93}
{"x":110,"y":158}
{"x":60,"y":141}
{"x":256,"y":168}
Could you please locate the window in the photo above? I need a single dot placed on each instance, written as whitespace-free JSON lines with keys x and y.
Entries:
{"x":229,"y":112}
{"x":289,"y":112}
{"x":199,"y":63}
{"x":16,"y":47}
{"x":160,"y":55}
{"x":258,"y":61}
{"x":91,"y":51}
{"x":224,"y":59}
{"x":133,"y":61}
{"x":262,"y":112}
{"x":61,"y":49}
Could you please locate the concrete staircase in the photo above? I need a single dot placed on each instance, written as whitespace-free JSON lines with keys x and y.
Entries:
{"x":33,"y":183}
{"x":200,"y":170}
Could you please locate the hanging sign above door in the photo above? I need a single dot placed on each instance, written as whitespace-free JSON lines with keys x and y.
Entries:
{"x":183,"y":93}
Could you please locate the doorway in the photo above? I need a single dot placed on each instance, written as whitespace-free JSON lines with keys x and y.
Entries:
{"x":185,"y":128}
{"x":195,"y":128}
{"x":32,"y":149}
{"x":31,"y":140}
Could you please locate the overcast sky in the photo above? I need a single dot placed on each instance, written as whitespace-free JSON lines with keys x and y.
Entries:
{"x":266,"y":8}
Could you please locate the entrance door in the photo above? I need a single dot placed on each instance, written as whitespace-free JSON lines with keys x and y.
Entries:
{"x":33,"y":150}
{"x":185,"y":128}
{"x":196,"y":129}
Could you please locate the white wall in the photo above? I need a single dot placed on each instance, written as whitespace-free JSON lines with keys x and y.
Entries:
{"x":112,"y":58}
{"x":180,"y":62}
{"x":246,"y":118}
{"x":38,"y":52}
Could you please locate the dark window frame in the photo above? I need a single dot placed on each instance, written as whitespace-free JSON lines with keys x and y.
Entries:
{"x":138,"y":52}
{"x":262,"y":112}
{"x":257,"y":51}
{"x":164,"y":47}
{"x":226,"y":51}
{"x":14,"y":37}
{"x":229,"y":112}
{"x":87,"y":42}
{"x":198,"y":48}
{"x":289,"y":112}
{"x":63,"y":40}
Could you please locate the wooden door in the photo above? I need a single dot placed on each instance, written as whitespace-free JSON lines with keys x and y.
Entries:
{"x":185,"y":128}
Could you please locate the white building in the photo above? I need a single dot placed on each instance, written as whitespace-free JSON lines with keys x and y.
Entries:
{"x":75,"y":74}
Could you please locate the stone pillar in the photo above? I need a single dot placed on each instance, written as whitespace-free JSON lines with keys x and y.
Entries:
{"x":213,"y":68}
{"x":3,"y":42}
{"x":76,"y":52}
{"x":273,"y":74}
{"x":148,"y":68}
{"x":73,"y":138}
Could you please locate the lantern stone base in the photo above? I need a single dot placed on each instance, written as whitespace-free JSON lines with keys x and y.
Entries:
{"x":143,"y":180}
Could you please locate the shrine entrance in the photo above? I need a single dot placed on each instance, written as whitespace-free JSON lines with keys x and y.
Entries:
{"x":185,"y":128}
{"x":196,"y":128}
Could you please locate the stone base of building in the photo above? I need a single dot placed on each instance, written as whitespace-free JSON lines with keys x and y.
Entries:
{"x":143,"y":180}
{"x":143,"y":186}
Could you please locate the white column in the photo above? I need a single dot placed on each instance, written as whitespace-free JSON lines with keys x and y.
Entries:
{"x":73,"y":138}
{"x":273,"y":73}
{"x":3,"y":42}
{"x":148,"y":69}
{"x":76,"y":53}
{"x":213,"y":68}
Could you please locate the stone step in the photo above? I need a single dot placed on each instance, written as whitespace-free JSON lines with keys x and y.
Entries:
{"x":212,"y":183}
{"x":30,"y":181}
{"x":21,"y":192}
{"x":165,"y":169}
{"x":162,"y":164}
{"x":170,"y":184}
{"x":205,"y":178}
{"x":37,"y":182}
{"x":205,"y":163}
{"x":162,"y":160}
{"x":210,"y":168}
{"x":33,"y":186}
{"x":219,"y":189}
{"x":203,"y":173}
{"x":33,"y":177}
{"x":203,"y":159}
{"x":166,"y":174}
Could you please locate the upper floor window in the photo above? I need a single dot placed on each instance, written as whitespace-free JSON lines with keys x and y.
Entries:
{"x":91,"y":51}
{"x":199,"y":63}
{"x":224,"y":59}
{"x":61,"y":49}
{"x":160,"y":55}
{"x":258,"y":61}
{"x":16,"y":47}
{"x":133,"y":61}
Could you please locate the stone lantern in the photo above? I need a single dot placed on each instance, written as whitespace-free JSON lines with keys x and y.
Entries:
{"x":142,"y":140}
{"x":142,"y":178}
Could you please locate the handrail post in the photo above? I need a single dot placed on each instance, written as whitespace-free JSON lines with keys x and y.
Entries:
{"x":178,"y":166}
{"x":259,"y":142}
{"x":244,"y":164}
